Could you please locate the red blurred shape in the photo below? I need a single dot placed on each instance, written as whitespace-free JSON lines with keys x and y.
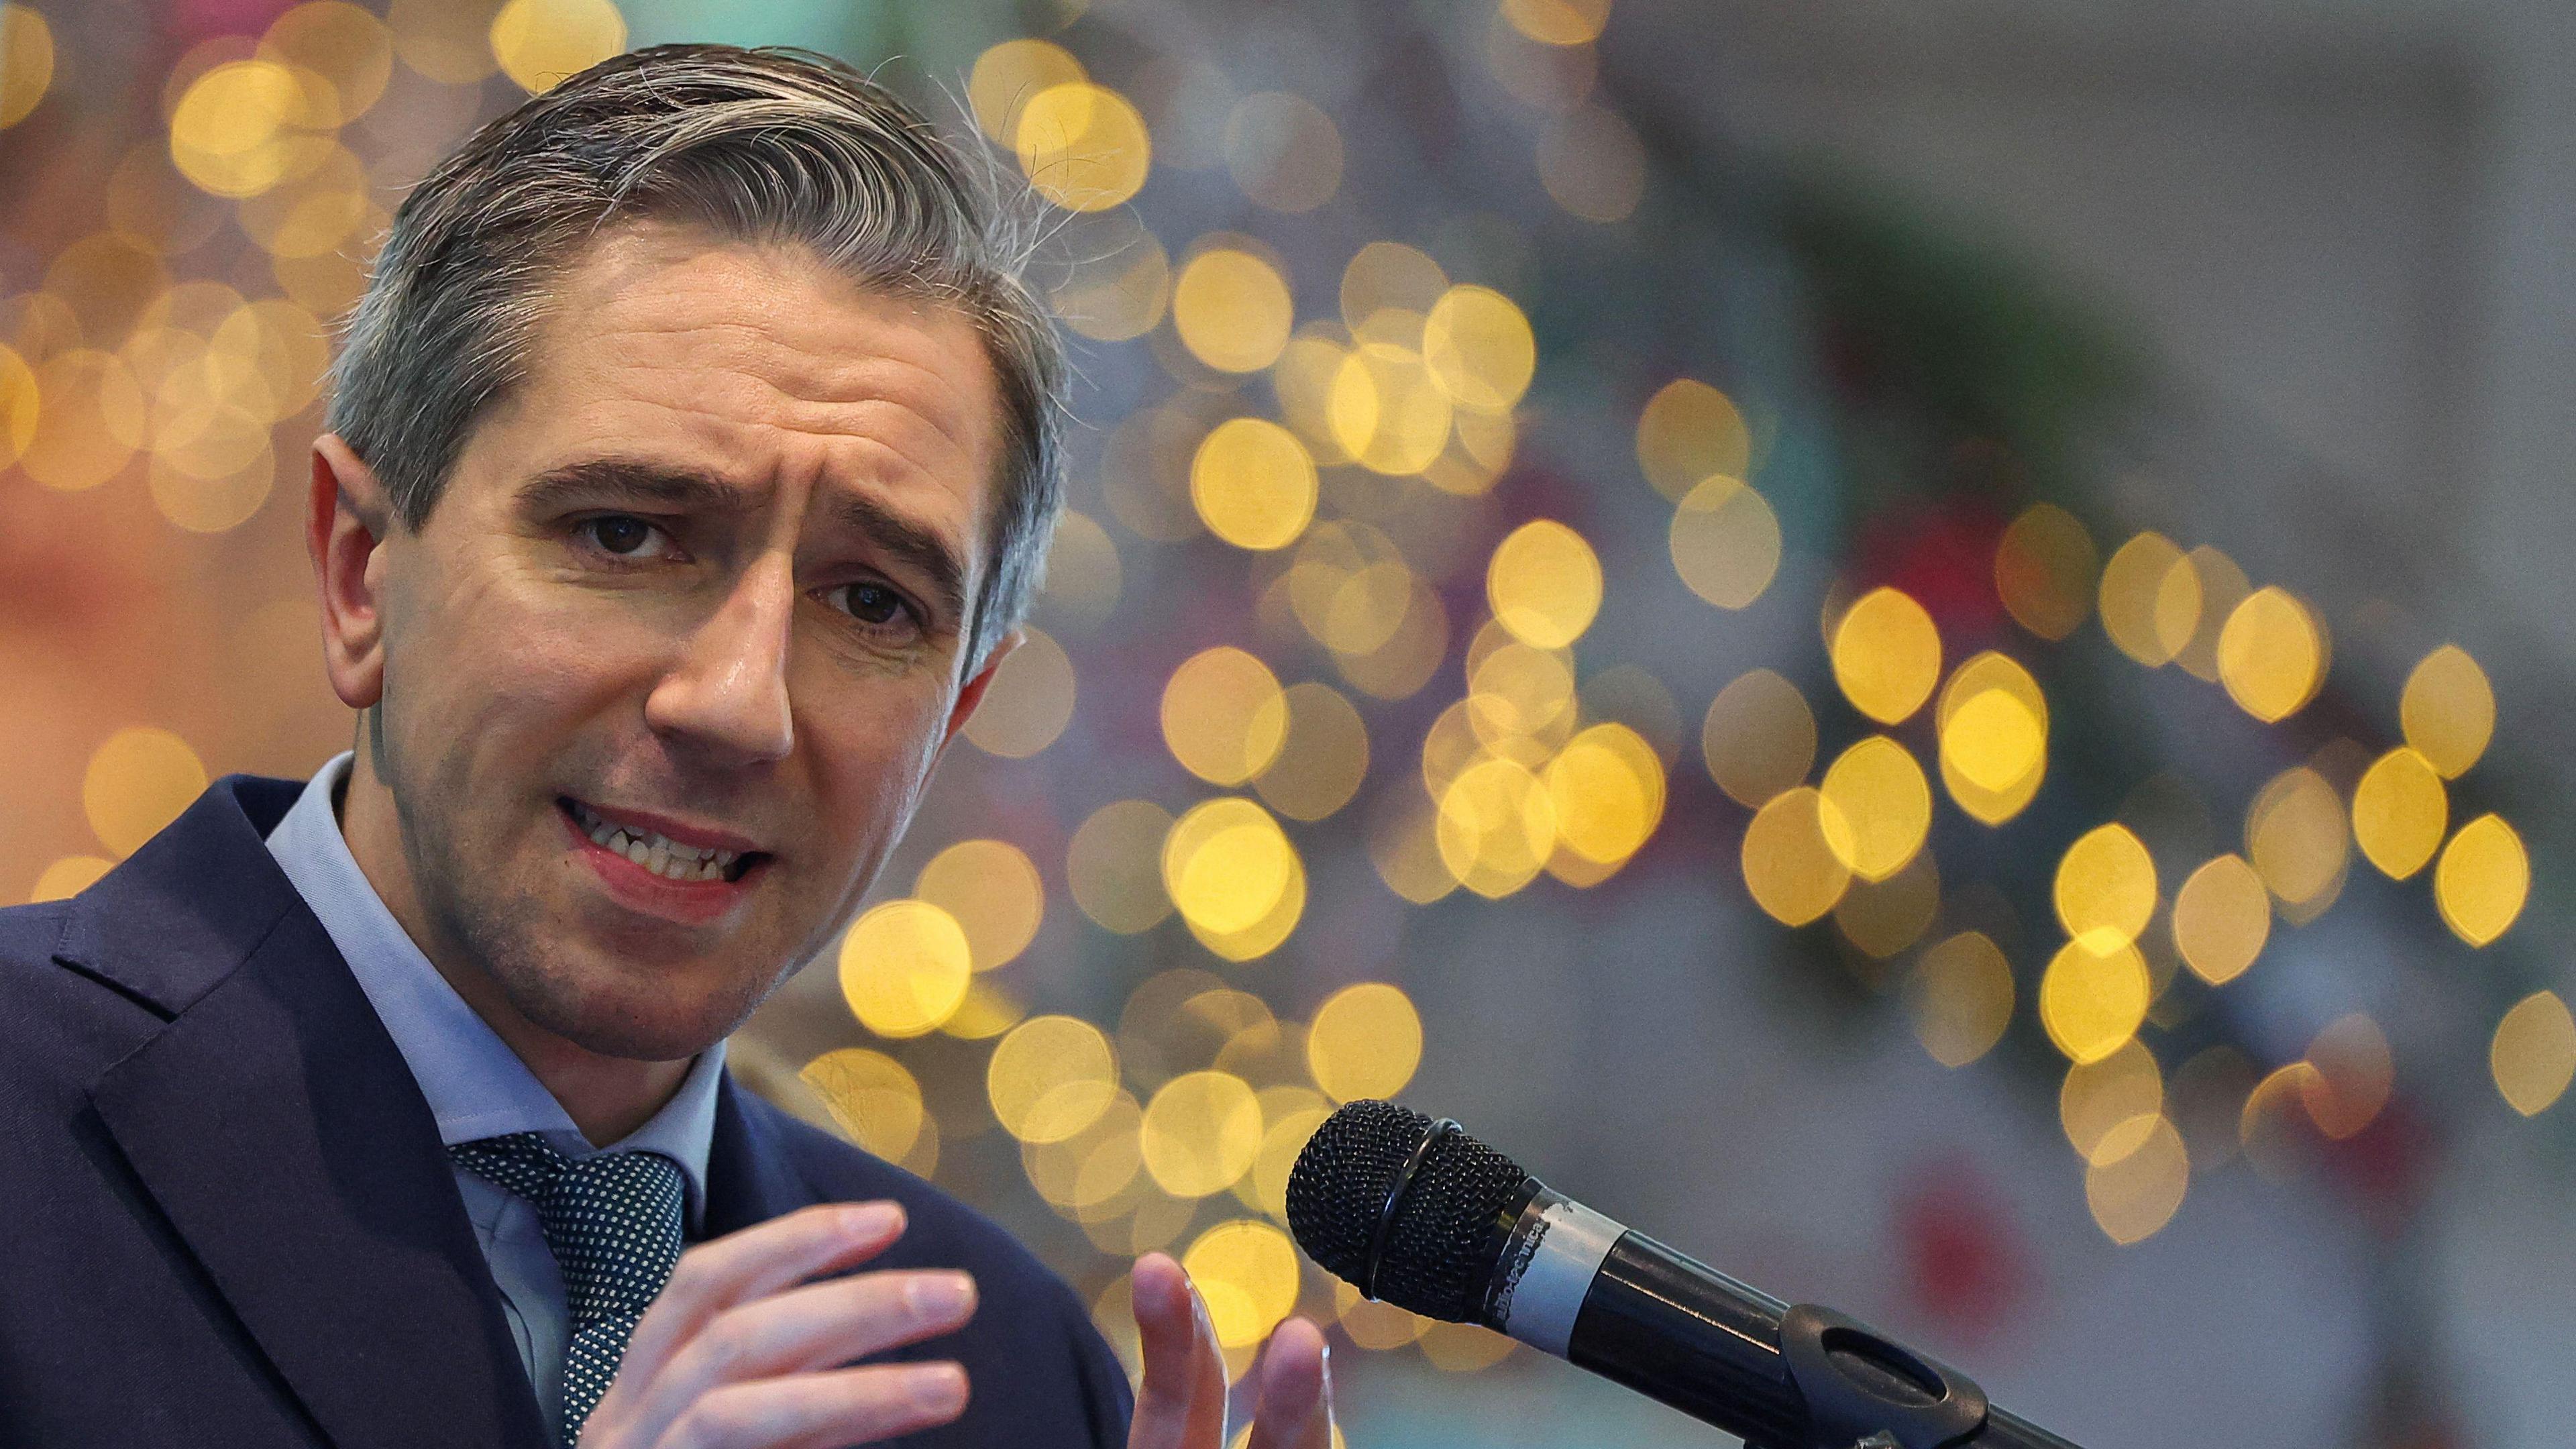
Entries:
{"x":1963,"y":1254}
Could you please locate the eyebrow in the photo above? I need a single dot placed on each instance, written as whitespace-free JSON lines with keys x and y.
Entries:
{"x":595,"y":480}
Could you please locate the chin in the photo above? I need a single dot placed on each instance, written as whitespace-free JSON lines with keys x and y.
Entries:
{"x":603,"y":1010}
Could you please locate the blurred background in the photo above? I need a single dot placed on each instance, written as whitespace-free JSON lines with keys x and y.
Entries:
{"x":1912,"y":645}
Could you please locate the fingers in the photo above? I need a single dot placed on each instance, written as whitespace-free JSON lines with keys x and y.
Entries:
{"x":821,"y":1410}
{"x":1181,"y":1404}
{"x":818,"y":1326}
{"x":753,"y":1264}
{"x":1295,"y":1409}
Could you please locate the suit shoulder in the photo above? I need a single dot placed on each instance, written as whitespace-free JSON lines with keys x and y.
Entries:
{"x":28,"y":933}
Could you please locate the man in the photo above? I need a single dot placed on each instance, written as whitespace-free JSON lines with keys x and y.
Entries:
{"x":689,"y":464}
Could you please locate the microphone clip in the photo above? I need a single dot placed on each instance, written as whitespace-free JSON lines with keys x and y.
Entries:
{"x":1864,"y":1391}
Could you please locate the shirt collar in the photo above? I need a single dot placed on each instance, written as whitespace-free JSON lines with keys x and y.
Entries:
{"x":476,"y":1086}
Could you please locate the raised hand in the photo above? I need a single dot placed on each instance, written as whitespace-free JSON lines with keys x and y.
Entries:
{"x":741,"y":1351}
{"x":1182,"y":1403}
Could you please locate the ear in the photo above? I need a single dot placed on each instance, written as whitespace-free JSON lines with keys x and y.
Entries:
{"x":971,"y":693}
{"x":346,"y":515}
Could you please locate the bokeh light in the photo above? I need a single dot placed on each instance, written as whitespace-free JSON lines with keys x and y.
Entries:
{"x":1876,"y":807}
{"x":1365,"y":1042}
{"x":904,"y":968}
{"x":2533,"y":1054}
{"x":2448,"y":710}
{"x":2400,"y":812}
{"x":138,"y":781}
{"x":1224,"y":715}
{"x":2131,"y":582}
{"x":2097,"y":1098}
{"x":1082,"y":146}
{"x":1993,"y":725}
{"x":1201,"y":1132}
{"x":1253,"y":484}
{"x":1886,"y":655}
{"x":875,"y":1099}
{"x":1234,"y":877}
{"x":1283,"y":151}
{"x":1688,"y":433}
{"x":2106,"y":889}
{"x":2297,"y":837}
{"x":2221,"y":918}
{"x":1959,"y":997}
{"x":1725,"y":542}
{"x":2271,"y":655}
{"x":2046,"y":569}
{"x":1884,"y":917}
{"x":1231,"y":309}
{"x":2355,"y":1073}
{"x":1544,"y":583}
{"x":1050,"y":1078}
{"x":2092,"y":1002}
{"x":540,"y":42}
{"x":992,"y":890}
{"x":26,"y":61}
{"x":2136,"y":1179}
{"x":1113,"y":866}
{"x":1007,"y":76}
{"x":1246,"y":1273}
{"x":2482,"y":881}
{"x":1029,"y":701}
{"x":1759,"y":737}
{"x":1558,"y":22}
{"x":1789,"y":859}
{"x":1478,"y":349}
{"x":1322,"y":758}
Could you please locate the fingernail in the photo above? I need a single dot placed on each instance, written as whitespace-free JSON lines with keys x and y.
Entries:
{"x":939,"y":1388}
{"x":938,"y":1295}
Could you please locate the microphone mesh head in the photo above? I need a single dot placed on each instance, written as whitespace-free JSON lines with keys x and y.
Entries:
{"x":1441,"y":1249}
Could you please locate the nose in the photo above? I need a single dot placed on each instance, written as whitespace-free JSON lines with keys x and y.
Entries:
{"x":725,"y":696}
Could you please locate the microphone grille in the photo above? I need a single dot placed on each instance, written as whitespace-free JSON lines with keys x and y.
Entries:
{"x":1441,"y":1249}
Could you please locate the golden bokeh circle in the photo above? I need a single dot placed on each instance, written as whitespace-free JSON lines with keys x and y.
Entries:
{"x":904,"y":968}
{"x":138,"y":781}
{"x":1365,"y":1041}
{"x":1886,"y":655}
{"x":1544,"y":583}
{"x":1253,"y":484}
{"x":1201,"y":1133}
{"x":1050,"y":1078}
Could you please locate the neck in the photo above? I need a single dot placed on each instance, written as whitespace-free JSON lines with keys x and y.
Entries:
{"x":607,"y":1097}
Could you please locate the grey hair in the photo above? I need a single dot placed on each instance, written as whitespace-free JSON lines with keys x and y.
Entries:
{"x":769,"y":145}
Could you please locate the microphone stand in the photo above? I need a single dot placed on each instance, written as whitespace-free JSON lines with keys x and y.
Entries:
{"x":1778,"y":1376}
{"x":1866,"y":1391}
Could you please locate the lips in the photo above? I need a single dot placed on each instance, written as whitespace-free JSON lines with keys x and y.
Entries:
{"x":667,"y":849}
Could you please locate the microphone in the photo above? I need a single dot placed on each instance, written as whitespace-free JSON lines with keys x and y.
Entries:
{"x":1419,"y":1214}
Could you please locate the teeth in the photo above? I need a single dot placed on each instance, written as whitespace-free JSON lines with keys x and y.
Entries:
{"x":656,"y":853}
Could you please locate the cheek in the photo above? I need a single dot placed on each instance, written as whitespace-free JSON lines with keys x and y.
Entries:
{"x":870,"y":759}
{"x":509,"y":655}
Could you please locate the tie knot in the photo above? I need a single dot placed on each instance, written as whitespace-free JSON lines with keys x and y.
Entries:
{"x":613,"y":1220}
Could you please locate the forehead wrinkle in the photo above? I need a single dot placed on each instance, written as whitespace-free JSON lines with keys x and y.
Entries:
{"x":904,"y":407}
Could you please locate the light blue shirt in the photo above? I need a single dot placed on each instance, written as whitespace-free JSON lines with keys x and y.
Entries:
{"x":476,"y":1086}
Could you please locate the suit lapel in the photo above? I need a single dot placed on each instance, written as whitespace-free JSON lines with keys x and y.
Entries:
{"x":749,"y":1178}
{"x":275,"y":1123}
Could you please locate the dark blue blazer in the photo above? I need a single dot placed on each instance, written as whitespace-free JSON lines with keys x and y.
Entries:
{"x":226,"y":1219}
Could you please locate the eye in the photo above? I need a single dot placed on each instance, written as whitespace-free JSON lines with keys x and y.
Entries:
{"x":618,"y":533}
{"x":870,"y":603}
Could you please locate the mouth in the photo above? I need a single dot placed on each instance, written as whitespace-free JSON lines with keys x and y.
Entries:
{"x":671,"y":853}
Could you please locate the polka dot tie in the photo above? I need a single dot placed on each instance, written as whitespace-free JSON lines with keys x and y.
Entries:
{"x":613,"y":1222}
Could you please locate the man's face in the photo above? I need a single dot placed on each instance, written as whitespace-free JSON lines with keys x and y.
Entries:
{"x":701,"y":584}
